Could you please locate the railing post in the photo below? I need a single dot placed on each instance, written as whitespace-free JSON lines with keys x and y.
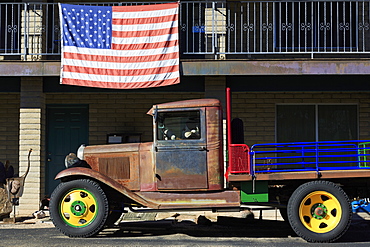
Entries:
{"x":26,"y":20}
{"x":214,"y":35}
{"x":317,"y":156}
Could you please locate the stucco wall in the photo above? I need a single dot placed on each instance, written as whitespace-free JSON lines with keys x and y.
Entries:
{"x":126,"y":112}
{"x":118,"y":112}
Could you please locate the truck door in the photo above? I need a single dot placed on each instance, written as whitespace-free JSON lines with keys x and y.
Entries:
{"x":181,"y":151}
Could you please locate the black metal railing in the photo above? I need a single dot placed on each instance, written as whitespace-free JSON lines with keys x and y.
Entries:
{"x":216,"y":30}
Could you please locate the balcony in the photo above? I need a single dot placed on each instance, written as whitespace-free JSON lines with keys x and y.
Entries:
{"x":215,"y":30}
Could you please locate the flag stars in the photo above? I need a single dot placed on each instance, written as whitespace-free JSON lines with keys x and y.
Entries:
{"x":87,"y":26}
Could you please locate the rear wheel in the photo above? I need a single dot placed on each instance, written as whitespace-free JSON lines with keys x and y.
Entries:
{"x":319,"y":211}
{"x":79,"y":208}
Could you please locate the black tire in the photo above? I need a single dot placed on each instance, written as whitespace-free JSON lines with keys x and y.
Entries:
{"x":79,"y":208}
{"x":319,"y":211}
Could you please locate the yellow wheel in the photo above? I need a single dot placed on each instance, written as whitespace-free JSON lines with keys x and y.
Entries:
{"x":319,"y":211}
{"x":79,"y":208}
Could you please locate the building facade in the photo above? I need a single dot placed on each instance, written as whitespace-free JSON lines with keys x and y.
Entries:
{"x":298,"y":71}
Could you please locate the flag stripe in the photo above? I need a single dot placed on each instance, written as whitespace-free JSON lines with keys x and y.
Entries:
{"x":144,"y":33}
{"x":145,"y":46}
{"x":143,"y":27}
{"x":88,"y":83}
{"x":144,"y":40}
{"x":119,"y":78}
{"x":127,"y":66}
{"x":117,"y":72}
{"x":120,"y":47}
{"x":145,"y":10}
{"x":116,"y":59}
{"x":120,"y":53}
{"x":139,"y":21}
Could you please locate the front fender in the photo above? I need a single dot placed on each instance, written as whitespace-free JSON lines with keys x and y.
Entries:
{"x":81,"y":171}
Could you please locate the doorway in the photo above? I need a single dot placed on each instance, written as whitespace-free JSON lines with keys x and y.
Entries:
{"x":67,"y":127}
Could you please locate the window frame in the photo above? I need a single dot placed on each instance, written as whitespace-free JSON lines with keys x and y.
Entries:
{"x":202,"y":138}
{"x":316,"y":113}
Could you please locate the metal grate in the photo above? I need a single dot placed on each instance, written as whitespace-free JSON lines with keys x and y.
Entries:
{"x":239,"y":156}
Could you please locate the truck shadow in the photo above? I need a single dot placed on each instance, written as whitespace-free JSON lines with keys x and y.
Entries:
{"x":358,"y":230}
{"x":226,"y":227}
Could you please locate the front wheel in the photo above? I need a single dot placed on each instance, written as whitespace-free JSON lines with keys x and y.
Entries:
{"x":79,"y":208}
{"x":319,"y":211}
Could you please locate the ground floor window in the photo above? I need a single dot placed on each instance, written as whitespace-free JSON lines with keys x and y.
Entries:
{"x":305,"y":123}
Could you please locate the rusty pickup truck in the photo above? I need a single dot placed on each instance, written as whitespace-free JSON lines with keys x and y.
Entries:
{"x":183,"y":168}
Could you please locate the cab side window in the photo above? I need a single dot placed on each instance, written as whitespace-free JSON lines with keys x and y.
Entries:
{"x":178,"y":125}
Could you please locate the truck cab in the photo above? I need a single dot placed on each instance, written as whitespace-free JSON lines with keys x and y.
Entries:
{"x":187,"y":145}
{"x":186,"y":154}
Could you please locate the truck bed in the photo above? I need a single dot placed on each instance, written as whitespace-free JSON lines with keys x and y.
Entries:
{"x":301,"y":160}
{"x":309,"y":175}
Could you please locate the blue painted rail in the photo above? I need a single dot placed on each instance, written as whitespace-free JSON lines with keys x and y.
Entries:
{"x":309,"y":156}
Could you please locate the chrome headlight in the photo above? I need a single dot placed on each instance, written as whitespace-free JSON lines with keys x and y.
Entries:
{"x":80,"y":152}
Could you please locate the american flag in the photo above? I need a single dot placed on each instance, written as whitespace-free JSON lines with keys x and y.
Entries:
{"x":122,"y":47}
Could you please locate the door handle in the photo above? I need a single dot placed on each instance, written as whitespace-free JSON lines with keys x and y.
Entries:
{"x":202,"y":148}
